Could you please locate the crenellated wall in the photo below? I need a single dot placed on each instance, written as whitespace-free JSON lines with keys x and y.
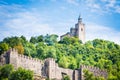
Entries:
{"x":19,"y":60}
{"x":96,"y":71}
{"x":47,"y":68}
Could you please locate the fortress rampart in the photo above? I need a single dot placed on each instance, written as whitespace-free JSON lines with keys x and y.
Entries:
{"x":96,"y":71}
{"x":47,"y":68}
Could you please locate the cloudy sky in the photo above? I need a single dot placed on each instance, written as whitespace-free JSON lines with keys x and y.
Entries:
{"x":41,"y":17}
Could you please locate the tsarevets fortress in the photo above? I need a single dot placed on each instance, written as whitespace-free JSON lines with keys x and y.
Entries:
{"x":46,"y":68}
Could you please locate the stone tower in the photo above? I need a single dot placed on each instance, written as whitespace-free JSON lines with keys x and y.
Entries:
{"x":51,"y":72}
{"x":78,"y":31}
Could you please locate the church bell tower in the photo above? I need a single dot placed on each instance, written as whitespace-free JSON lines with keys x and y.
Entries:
{"x":80,"y":29}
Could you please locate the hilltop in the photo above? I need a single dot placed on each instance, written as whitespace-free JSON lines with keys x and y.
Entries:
{"x":69,"y":52}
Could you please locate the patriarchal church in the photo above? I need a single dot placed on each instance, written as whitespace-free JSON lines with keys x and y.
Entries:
{"x":78,"y":31}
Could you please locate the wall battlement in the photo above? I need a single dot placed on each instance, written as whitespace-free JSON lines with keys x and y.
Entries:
{"x":13,"y":52}
{"x":96,"y":71}
{"x":30,"y":58}
{"x":46,"y":68}
{"x":93,"y":68}
{"x":49,"y":59}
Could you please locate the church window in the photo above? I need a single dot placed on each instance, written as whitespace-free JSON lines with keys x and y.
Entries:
{"x":81,"y":29}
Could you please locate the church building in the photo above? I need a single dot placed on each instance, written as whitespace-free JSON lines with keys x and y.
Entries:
{"x":78,"y":31}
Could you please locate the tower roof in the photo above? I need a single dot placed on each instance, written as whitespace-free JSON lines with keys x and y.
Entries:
{"x":79,"y":18}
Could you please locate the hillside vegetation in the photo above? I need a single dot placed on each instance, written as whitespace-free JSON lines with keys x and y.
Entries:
{"x":69,"y":52}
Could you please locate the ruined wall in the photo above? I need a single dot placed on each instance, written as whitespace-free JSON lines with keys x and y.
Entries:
{"x":68,"y":72}
{"x":46,"y":68}
{"x":56,"y":72}
{"x":30,"y":63}
{"x":2,"y":59}
{"x":52,"y":69}
{"x":13,"y":57}
{"x":51,"y":72}
{"x":96,"y":71}
{"x":18,"y":60}
{"x":76,"y":74}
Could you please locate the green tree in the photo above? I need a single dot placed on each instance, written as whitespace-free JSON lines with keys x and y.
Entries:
{"x":21,"y":74}
{"x":72,"y":63}
{"x":50,"y":39}
{"x":88,"y":75}
{"x":30,"y":49}
{"x":66,"y":77}
{"x":68,"y":40}
{"x":23,"y":38}
{"x":51,"y":52}
{"x":41,"y":50}
{"x":3,"y":47}
{"x":40,"y":38}
{"x":12,"y":41}
{"x":19,"y":48}
{"x":64,"y":62}
{"x":33,"y":40}
{"x":5,"y":71}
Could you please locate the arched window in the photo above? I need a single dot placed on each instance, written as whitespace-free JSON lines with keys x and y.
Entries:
{"x":81,"y":29}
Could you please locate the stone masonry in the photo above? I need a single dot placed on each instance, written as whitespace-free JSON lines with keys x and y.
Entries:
{"x":46,"y":68}
{"x":78,"y":31}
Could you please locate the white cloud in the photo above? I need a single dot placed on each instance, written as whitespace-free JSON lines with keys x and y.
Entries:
{"x":74,"y":2}
{"x":27,"y":24}
{"x":94,"y":31}
{"x":102,"y":6}
{"x":111,"y":3}
{"x":118,"y":9}
{"x":30,"y":23}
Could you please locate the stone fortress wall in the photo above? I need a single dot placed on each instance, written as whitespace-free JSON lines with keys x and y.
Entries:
{"x":18,"y":60}
{"x":95,"y":70}
{"x":47,"y":68}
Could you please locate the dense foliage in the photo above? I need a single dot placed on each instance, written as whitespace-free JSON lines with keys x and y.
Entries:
{"x":21,"y":74}
{"x":69,"y":52}
{"x":66,"y":77}
{"x":7,"y":72}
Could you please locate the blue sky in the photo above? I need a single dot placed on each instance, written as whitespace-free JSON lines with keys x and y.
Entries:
{"x":36,"y":17}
